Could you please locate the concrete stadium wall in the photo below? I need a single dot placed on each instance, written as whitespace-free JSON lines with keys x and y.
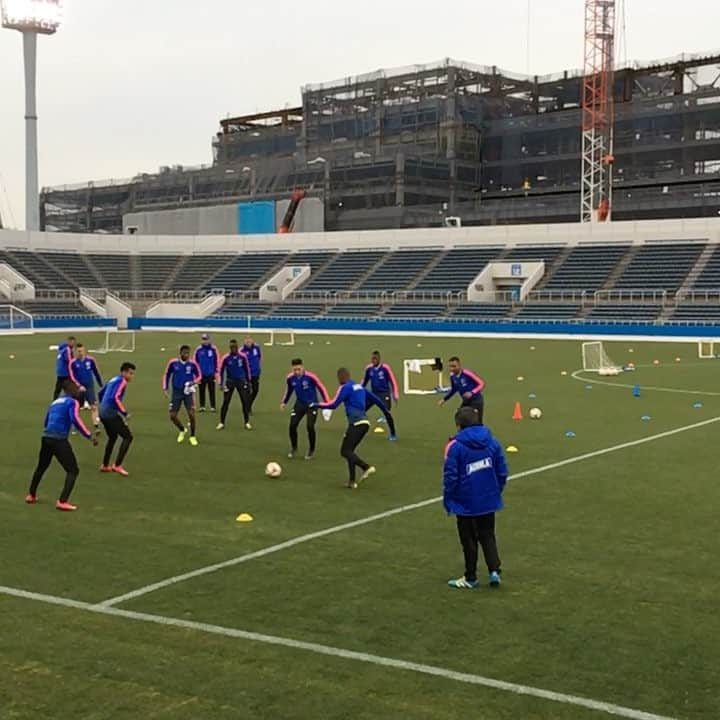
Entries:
{"x":217,"y":220}
{"x":636,"y":233}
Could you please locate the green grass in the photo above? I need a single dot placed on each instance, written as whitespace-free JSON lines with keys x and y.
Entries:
{"x":611,"y":577}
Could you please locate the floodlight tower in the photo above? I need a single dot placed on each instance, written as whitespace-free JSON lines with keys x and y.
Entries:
{"x":598,"y":111}
{"x":31,"y":18}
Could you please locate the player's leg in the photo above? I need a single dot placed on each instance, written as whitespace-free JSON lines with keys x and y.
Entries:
{"x":111,"y":430}
{"x":478,"y":404}
{"x":127,"y":438}
{"x":485,"y":531}
{"x":175,"y":404}
{"x":190,"y":409}
{"x":45,"y":457}
{"x":296,"y":416}
{"x":211,"y":393}
{"x":312,"y":415}
{"x":353,"y":437}
{"x":59,"y":382}
{"x":255,"y":387}
{"x":66,"y":457}
{"x":467,"y":532}
{"x":245,"y":393}
{"x":203,"y":386}
{"x":387,"y":399}
{"x":227,"y":397}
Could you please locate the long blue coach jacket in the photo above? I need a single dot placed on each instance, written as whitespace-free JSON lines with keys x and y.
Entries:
{"x":474,"y":473}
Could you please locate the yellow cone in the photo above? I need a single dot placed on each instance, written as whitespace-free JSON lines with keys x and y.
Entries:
{"x":512,"y":449}
{"x":520,"y":378}
{"x":379,"y":430}
{"x":244,"y":518}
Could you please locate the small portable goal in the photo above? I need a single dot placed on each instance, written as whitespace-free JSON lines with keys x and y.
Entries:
{"x":422,"y":377}
{"x":117,"y":341}
{"x":596,"y":360}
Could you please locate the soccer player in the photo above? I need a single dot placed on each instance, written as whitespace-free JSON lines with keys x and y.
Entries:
{"x":254,"y":354}
{"x":355,"y":397}
{"x":179,"y":382}
{"x":468,"y":385}
{"x":63,"y":365}
{"x":383,"y":384}
{"x":207,"y":358}
{"x":113,"y":416}
{"x":474,"y":477}
{"x":61,"y":416}
{"x":306,"y":386}
{"x":86,"y":373}
{"x":235,"y":375}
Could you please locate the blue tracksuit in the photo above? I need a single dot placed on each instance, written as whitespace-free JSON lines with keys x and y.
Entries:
{"x":355,"y":398}
{"x":111,"y":398}
{"x":474,"y":473}
{"x":234,"y":367}
{"x":207,"y":358}
{"x":382,"y":380}
{"x":63,"y":362}
{"x":465,"y":381}
{"x":62,"y":415}
{"x":306,"y":388}
{"x":180,"y":374}
{"x":86,"y":374}
{"x":254,"y":355}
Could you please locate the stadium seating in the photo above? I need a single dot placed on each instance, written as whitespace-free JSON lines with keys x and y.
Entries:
{"x":348,"y":309}
{"x":114,"y":271}
{"x":43,"y":274}
{"x":156,"y":270}
{"x":54,"y":308}
{"x":398,"y":270}
{"x":586,"y":268}
{"x":344,"y":271}
{"x":245,"y":272}
{"x":697,"y":313}
{"x":457,"y":269}
{"x":298,"y":310}
{"x":243,"y":308}
{"x":548,"y":311}
{"x":480,"y":311}
{"x":659,"y":267}
{"x":709,"y":278}
{"x":196,"y":271}
{"x":614,"y":311}
{"x":415,"y":310}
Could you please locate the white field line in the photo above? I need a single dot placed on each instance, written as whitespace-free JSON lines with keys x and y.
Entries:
{"x":577,"y":375}
{"x":335,"y":652}
{"x":380,"y":516}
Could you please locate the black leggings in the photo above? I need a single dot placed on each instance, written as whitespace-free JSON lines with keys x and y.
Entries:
{"x":254,"y":390}
{"x":207,"y":382}
{"x":353,"y":437}
{"x":478,"y":530}
{"x":387,"y":399}
{"x":61,"y":450}
{"x":243,"y":390}
{"x":477,"y":403}
{"x":296,"y":416}
{"x":116,"y":427}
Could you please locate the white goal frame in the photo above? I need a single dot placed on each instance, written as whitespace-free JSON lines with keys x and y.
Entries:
{"x":110,"y":346}
{"x":19,"y":322}
{"x":273,"y":340}
{"x":707,"y":350}
{"x":409,"y":369}
{"x":595,"y":359}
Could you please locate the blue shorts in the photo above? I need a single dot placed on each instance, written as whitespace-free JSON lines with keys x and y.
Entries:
{"x":88,"y":395}
{"x":179,"y":398}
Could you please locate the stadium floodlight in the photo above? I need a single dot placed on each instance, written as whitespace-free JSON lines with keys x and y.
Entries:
{"x":31,"y":18}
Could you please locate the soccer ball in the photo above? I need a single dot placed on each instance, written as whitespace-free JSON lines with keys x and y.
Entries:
{"x":535,"y":413}
{"x":273,"y":470}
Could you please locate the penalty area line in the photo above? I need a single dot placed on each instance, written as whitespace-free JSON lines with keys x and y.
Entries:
{"x":577,"y":375}
{"x":175,"y":579}
{"x":336,"y":652}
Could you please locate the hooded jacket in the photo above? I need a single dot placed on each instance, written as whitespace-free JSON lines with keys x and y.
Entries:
{"x":474,"y":473}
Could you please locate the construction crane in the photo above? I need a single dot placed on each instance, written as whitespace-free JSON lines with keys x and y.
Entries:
{"x":598,"y":110}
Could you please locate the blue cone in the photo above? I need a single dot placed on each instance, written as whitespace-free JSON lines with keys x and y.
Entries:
{"x":697,"y":405}
{"x":570,"y":434}
{"x":646,"y":418}
{"x":636,"y":391}
{"x":532,"y":396}
{"x":588,"y":387}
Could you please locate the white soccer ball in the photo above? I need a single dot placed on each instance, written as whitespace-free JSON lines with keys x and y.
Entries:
{"x":535,"y":414}
{"x":273,"y":470}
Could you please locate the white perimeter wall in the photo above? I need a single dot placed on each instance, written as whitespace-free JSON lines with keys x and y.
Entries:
{"x":636,"y":233}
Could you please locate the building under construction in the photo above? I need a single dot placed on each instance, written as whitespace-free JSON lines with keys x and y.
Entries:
{"x":412,"y":146}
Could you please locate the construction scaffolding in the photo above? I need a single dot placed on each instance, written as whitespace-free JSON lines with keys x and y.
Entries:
{"x":410,"y":146}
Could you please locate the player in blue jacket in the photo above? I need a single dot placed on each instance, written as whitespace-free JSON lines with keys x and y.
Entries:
{"x":207,"y":358}
{"x":113,"y":415}
{"x":86,"y":373}
{"x":383,"y":384}
{"x":355,"y":398}
{"x":62,"y":416}
{"x":306,"y":386}
{"x":63,"y":365}
{"x":179,"y":383}
{"x":466,"y":384}
{"x":254,"y":356}
{"x":474,"y":477}
{"x":235,"y":376}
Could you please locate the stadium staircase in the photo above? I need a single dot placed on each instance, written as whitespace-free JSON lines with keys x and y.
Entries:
{"x":705,"y":261}
{"x":175,"y":272}
{"x":98,"y":280}
{"x":620,"y":268}
{"x":439,"y":257}
{"x":135,"y":271}
{"x":358,"y":285}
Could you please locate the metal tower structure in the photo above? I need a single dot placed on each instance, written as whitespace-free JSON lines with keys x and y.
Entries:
{"x":598,"y":111}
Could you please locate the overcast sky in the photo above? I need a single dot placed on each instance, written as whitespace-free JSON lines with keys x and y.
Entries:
{"x":129,"y":86}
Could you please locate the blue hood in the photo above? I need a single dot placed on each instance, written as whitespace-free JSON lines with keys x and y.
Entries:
{"x":475,"y":436}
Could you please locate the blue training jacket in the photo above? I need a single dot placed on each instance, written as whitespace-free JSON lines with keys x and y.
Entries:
{"x":63,"y":362}
{"x":234,"y":366}
{"x":355,"y":397}
{"x":465,"y":381}
{"x":207,"y":358}
{"x":181,"y":374}
{"x":381,"y":379}
{"x":254,"y":355}
{"x":306,"y":388}
{"x":86,"y":371}
{"x":62,"y":415}
{"x":111,"y":398}
{"x":474,"y":474}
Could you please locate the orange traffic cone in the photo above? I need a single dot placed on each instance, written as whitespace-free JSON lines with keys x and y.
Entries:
{"x":517,"y":412}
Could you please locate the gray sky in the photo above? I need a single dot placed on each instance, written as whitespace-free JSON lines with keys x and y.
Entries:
{"x":129,"y":86}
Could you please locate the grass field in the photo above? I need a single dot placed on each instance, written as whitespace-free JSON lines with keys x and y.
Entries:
{"x":611,"y":575}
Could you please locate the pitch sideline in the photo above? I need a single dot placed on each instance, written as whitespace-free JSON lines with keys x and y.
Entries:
{"x":329,"y":650}
{"x":174,"y":580}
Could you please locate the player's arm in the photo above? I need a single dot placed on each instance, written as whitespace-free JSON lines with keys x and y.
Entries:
{"x":69,"y":362}
{"x":393,"y":383}
{"x":223,"y":369}
{"x":117,"y":398}
{"x":324,"y":394}
{"x":197,"y":375}
{"x":169,"y":370}
{"x":340,"y":397}
{"x":479,"y":382}
{"x":449,"y":393}
{"x":500,"y":465}
{"x":289,"y":389}
{"x":96,"y":371}
{"x":246,"y":362}
{"x":216,"y":361}
{"x":366,"y":377}
{"x":74,"y":415}
{"x":451,"y":473}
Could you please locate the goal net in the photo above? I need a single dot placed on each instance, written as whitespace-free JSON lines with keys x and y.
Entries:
{"x":15,"y":320}
{"x":422,"y":377}
{"x":595,"y":359}
{"x":117,"y":341}
{"x":285,"y":338}
{"x":707,"y":350}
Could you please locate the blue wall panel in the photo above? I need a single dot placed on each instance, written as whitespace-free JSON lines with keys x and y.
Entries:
{"x":256,"y":218}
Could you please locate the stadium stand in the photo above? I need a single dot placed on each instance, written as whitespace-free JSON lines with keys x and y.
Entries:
{"x":709,"y":278}
{"x":548,"y":311}
{"x":347,"y":309}
{"x":344,"y":271}
{"x":457,"y":268}
{"x":659,"y":267}
{"x":616,"y":311}
{"x":587,"y":268}
{"x":697,"y":313}
{"x":298,"y":310}
{"x":398,"y":270}
{"x":243,"y":308}
{"x":54,"y":308}
{"x":196,"y":271}
{"x":114,"y":271}
{"x":415,"y":310}
{"x":245,"y":272}
{"x":480,"y":311}
{"x":156,"y":270}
